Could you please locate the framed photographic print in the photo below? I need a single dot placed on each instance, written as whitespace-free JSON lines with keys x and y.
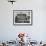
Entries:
{"x":22,"y":17}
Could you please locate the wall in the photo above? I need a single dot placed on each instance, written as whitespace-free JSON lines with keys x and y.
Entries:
{"x":37,"y":31}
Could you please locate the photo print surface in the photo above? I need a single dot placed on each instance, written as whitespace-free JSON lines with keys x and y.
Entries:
{"x":21,"y":17}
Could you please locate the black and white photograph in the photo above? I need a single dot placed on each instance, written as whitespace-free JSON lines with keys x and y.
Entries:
{"x":22,"y":17}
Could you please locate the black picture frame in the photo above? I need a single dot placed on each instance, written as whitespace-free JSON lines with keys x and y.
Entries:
{"x":22,"y":17}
